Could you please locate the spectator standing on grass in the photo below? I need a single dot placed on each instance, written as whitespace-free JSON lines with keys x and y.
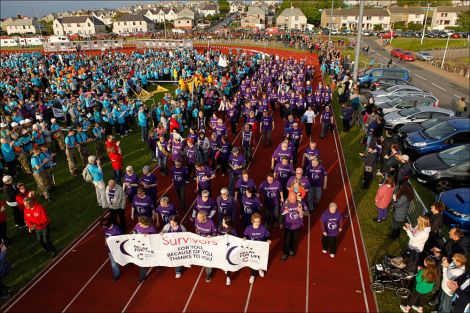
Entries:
{"x":461,"y":107}
{"x":174,"y":226}
{"x":401,"y":204}
{"x":36,"y":219}
{"x":404,"y":171}
{"x":116,"y":203}
{"x":331,"y":226}
{"x":450,"y":272}
{"x":144,"y":227}
{"x":11,"y":191}
{"x":258,"y":232}
{"x":3,"y":225}
{"x":347,"y":115}
{"x":425,"y":280}
{"x":94,"y":168}
{"x":461,"y":288}
{"x":116,"y":163}
{"x":383,"y":197}
{"x":110,"y":229}
{"x":5,"y":269}
{"x":435,"y":218}
{"x":370,"y":160}
{"x":418,"y":236}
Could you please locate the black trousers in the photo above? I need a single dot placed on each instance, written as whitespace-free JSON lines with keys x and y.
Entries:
{"x":368,"y":176}
{"x":118,"y":216}
{"x":416,"y":297}
{"x":18,"y":216}
{"x":291,"y":237}
{"x":329,"y":244}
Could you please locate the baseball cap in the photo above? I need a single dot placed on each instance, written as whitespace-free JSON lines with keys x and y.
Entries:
{"x":27,"y":120}
{"x":14,"y":124}
{"x":235,"y":149}
{"x":22,"y":122}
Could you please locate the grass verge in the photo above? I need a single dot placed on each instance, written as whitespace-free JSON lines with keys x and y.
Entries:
{"x":73,"y":210}
{"x":414,"y":44}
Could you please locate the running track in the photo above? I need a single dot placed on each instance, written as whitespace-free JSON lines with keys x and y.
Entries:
{"x":79,"y":280}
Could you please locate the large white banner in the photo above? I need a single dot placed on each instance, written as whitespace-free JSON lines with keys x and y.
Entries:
{"x":226,"y":252}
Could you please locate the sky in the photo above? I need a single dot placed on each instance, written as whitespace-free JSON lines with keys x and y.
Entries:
{"x":41,"y":8}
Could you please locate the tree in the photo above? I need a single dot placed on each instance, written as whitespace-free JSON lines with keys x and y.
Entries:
{"x":423,"y":3}
{"x":311,"y":9}
{"x":224,"y":6}
{"x":118,"y":15}
{"x":399,"y":25}
{"x":415,"y":26}
{"x":378,"y":27}
{"x":47,"y":28}
{"x":463,"y":20}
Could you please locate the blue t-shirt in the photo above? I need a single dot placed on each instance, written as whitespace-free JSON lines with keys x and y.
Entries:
{"x":142,"y":118}
{"x":96,"y":172}
{"x":8,"y":153}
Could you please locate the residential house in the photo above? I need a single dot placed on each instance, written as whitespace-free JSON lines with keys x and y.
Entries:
{"x":185,"y":19}
{"x":292,"y":18}
{"x":104,"y":15}
{"x":237,"y":6}
{"x":255,"y":18}
{"x":407,"y":15}
{"x":133,"y":24}
{"x":82,"y":25}
{"x":169,"y":14}
{"x":446,"y":16}
{"x":371,"y":3}
{"x":49,"y":17}
{"x":459,"y":2}
{"x":347,"y":18}
{"x":22,"y":26}
{"x":208,"y":9}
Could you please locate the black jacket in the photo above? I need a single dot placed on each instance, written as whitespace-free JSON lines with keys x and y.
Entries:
{"x":10,"y":192}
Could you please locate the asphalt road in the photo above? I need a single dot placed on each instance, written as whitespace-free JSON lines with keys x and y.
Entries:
{"x":448,"y":92}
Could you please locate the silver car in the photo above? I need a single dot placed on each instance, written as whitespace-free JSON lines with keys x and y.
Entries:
{"x":406,"y":102}
{"x":424,"y":56}
{"x":397,"y":90}
{"x":395,"y":120}
{"x":381,"y":100}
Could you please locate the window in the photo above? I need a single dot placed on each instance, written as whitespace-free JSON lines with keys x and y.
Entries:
{"x":187,"y":22}
{"x":368,"y":18}
{"x":125,"y":23}
{"x":89,"y":25}
{"x":24,"y":27}
{"x":140,"y":23}
{"x":133,"y":23}
{"x":416,"y":15}
{"x":296,"y":18}
{"x":381,"y":18}
{"x":421,"y":115}
{"x":461,"y":137}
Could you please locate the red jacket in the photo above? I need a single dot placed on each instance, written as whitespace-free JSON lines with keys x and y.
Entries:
{"x":174,"y":125}
{"x":116,"y":161}
{"x":36,"y":216}
{"x":383,"y":196}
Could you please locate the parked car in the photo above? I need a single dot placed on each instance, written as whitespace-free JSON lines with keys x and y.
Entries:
{"x":396,"y":52}
{"x":457,"y":208}
{"x":408,"y":102}
{"x":387,"y":35}
{"x":424,"y":56}
{"x":453,"y":132}
{"x":396,"y":91}
{"x":388,"y":99}
{"x":335,"y":32}
{"x":367,"y":32}
{"x":456,"y":35}
{"x":384,"y":83}
{"x":407,"y":56}
{"x":409,"y":128}
{"x":395,"y":120}
{"x":373,"y":74}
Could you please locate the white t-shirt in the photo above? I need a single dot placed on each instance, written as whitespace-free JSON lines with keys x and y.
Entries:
{"x":309,"y":116}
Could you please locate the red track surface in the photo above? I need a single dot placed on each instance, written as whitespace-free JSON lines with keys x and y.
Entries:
{"x":80,"y":279}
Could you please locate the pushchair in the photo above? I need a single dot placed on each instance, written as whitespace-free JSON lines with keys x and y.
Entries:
{"x":386,"y":275}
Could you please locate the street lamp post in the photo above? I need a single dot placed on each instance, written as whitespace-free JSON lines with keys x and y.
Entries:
{"x":331,"y":22}
{"x":445,"y":51}
{"x":358,"y":43}
{"x":424,"y":27}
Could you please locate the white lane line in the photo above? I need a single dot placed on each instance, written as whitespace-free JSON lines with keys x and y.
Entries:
{"x":193,"y":290}
{"x":248,"y":298}
{"x":439,"y":87}
{"x":352,"y":227}
{"x":135,"y":292}
{"x":421,"y":77}
{"x":307,"y":281}
{"x":84,"y":286}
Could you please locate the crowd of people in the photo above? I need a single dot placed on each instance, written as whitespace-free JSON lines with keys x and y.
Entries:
{"x":66,"y":103}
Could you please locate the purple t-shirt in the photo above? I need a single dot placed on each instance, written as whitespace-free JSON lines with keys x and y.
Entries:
{"x":191,"y":154}
{"x":283,"y":173}
{"x":257,"y":234}
{"x":326,"y":117}
{"x":310,"y":153}
{"x":250,"y":205}
{"x":242,"y":185}
{"x":205,"y":229}
{"x":209,"y":206}
{"x":316,"y":175}
{"x":295,"y":134}
{"x":303,"y":182}
{"x":331,"y":222}
{"x":150,"y":179}
{"x":278,"y":154}
{"x":266,"y":123}
{"x":138,"y":229}
{"x":203,"y":177}
{"x":226,"y":206}
{"x":220,"y":130}
{"x":270,"y":192}
{"x":131,"y":179}
{"x":290,"y":215}
{"x":166,"y":211}
{"x":236,"y":161}
{"x":115,"y":230}
{"x":143,"y":206}
{"x":180,"y":175}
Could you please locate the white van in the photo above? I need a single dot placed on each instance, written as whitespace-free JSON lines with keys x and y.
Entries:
{"x":8,"y":42}
{"x":35,"y":41}
{"x":57,"y":39}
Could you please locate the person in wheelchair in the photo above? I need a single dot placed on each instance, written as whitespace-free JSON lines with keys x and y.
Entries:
{"x":418,"y":236}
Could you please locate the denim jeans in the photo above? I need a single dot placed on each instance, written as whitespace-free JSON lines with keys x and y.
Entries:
{"x":117,"y":176}
{"x":180,"y":194}
{"x":144,"y":132}
{"x":163,"y":164}
{"x":231,"y":182}
{"x":114,"y":266}
{"x":445,"y":303}
{"x":324,"y":130}
{"x":313,"y":197}
{"x":45,"y":239}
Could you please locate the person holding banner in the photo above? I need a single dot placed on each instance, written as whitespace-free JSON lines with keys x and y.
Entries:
{"x":111,"y":229}
{"x":227,"y":227}
{"x":258,"y":232}
{"x":291,"y":221}
{"x":144,"y":227}
{"x":250,"y":204}
{"x":174,"y":226}
{"x":164,"y":211}
{"x":205,"y":227}
{"x":205,"y":203}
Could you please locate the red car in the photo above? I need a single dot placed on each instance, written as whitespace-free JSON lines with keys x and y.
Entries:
{"x":407,"y":56}
{"x":396,"y":52}
{"x":455,"y":35}
{"x":388,"y":35}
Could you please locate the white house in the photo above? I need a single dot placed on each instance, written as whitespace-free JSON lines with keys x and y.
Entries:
{"x":208,"y":9}
{"x":255,"y":17}
{"x":407,"y":15}
{"x":292,"y":18}
{"x":82,"y":25}
{"x":22,"y":26}
{"x":133,"y":24}
{"x":371,"y":3}
{"x":347,"y":18}
{"x":49,"y":17}
{"x":105,"y":15}
{"x":446,"y":16}
{"x":237,"y":7}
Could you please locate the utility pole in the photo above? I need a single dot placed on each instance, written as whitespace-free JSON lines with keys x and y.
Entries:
{"x":424,"y":27}
{"x":40,"y":26}
{"x":331,"y":22}
{"x":445,"y":51}
{"x":358,"y":43}
{"x":164,"y":22}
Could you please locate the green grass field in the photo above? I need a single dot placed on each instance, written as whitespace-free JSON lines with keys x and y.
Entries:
{"x":375,"y":235}
{"x":414,"y":44}
{"x":72,"y":211}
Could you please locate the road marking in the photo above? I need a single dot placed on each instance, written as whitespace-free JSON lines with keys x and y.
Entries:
{"x":307,"y":281}
{"x":439,"y":87}
{"x":352,"y":226}
{"x":421,"y":77}
{"x":84,"y":286}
